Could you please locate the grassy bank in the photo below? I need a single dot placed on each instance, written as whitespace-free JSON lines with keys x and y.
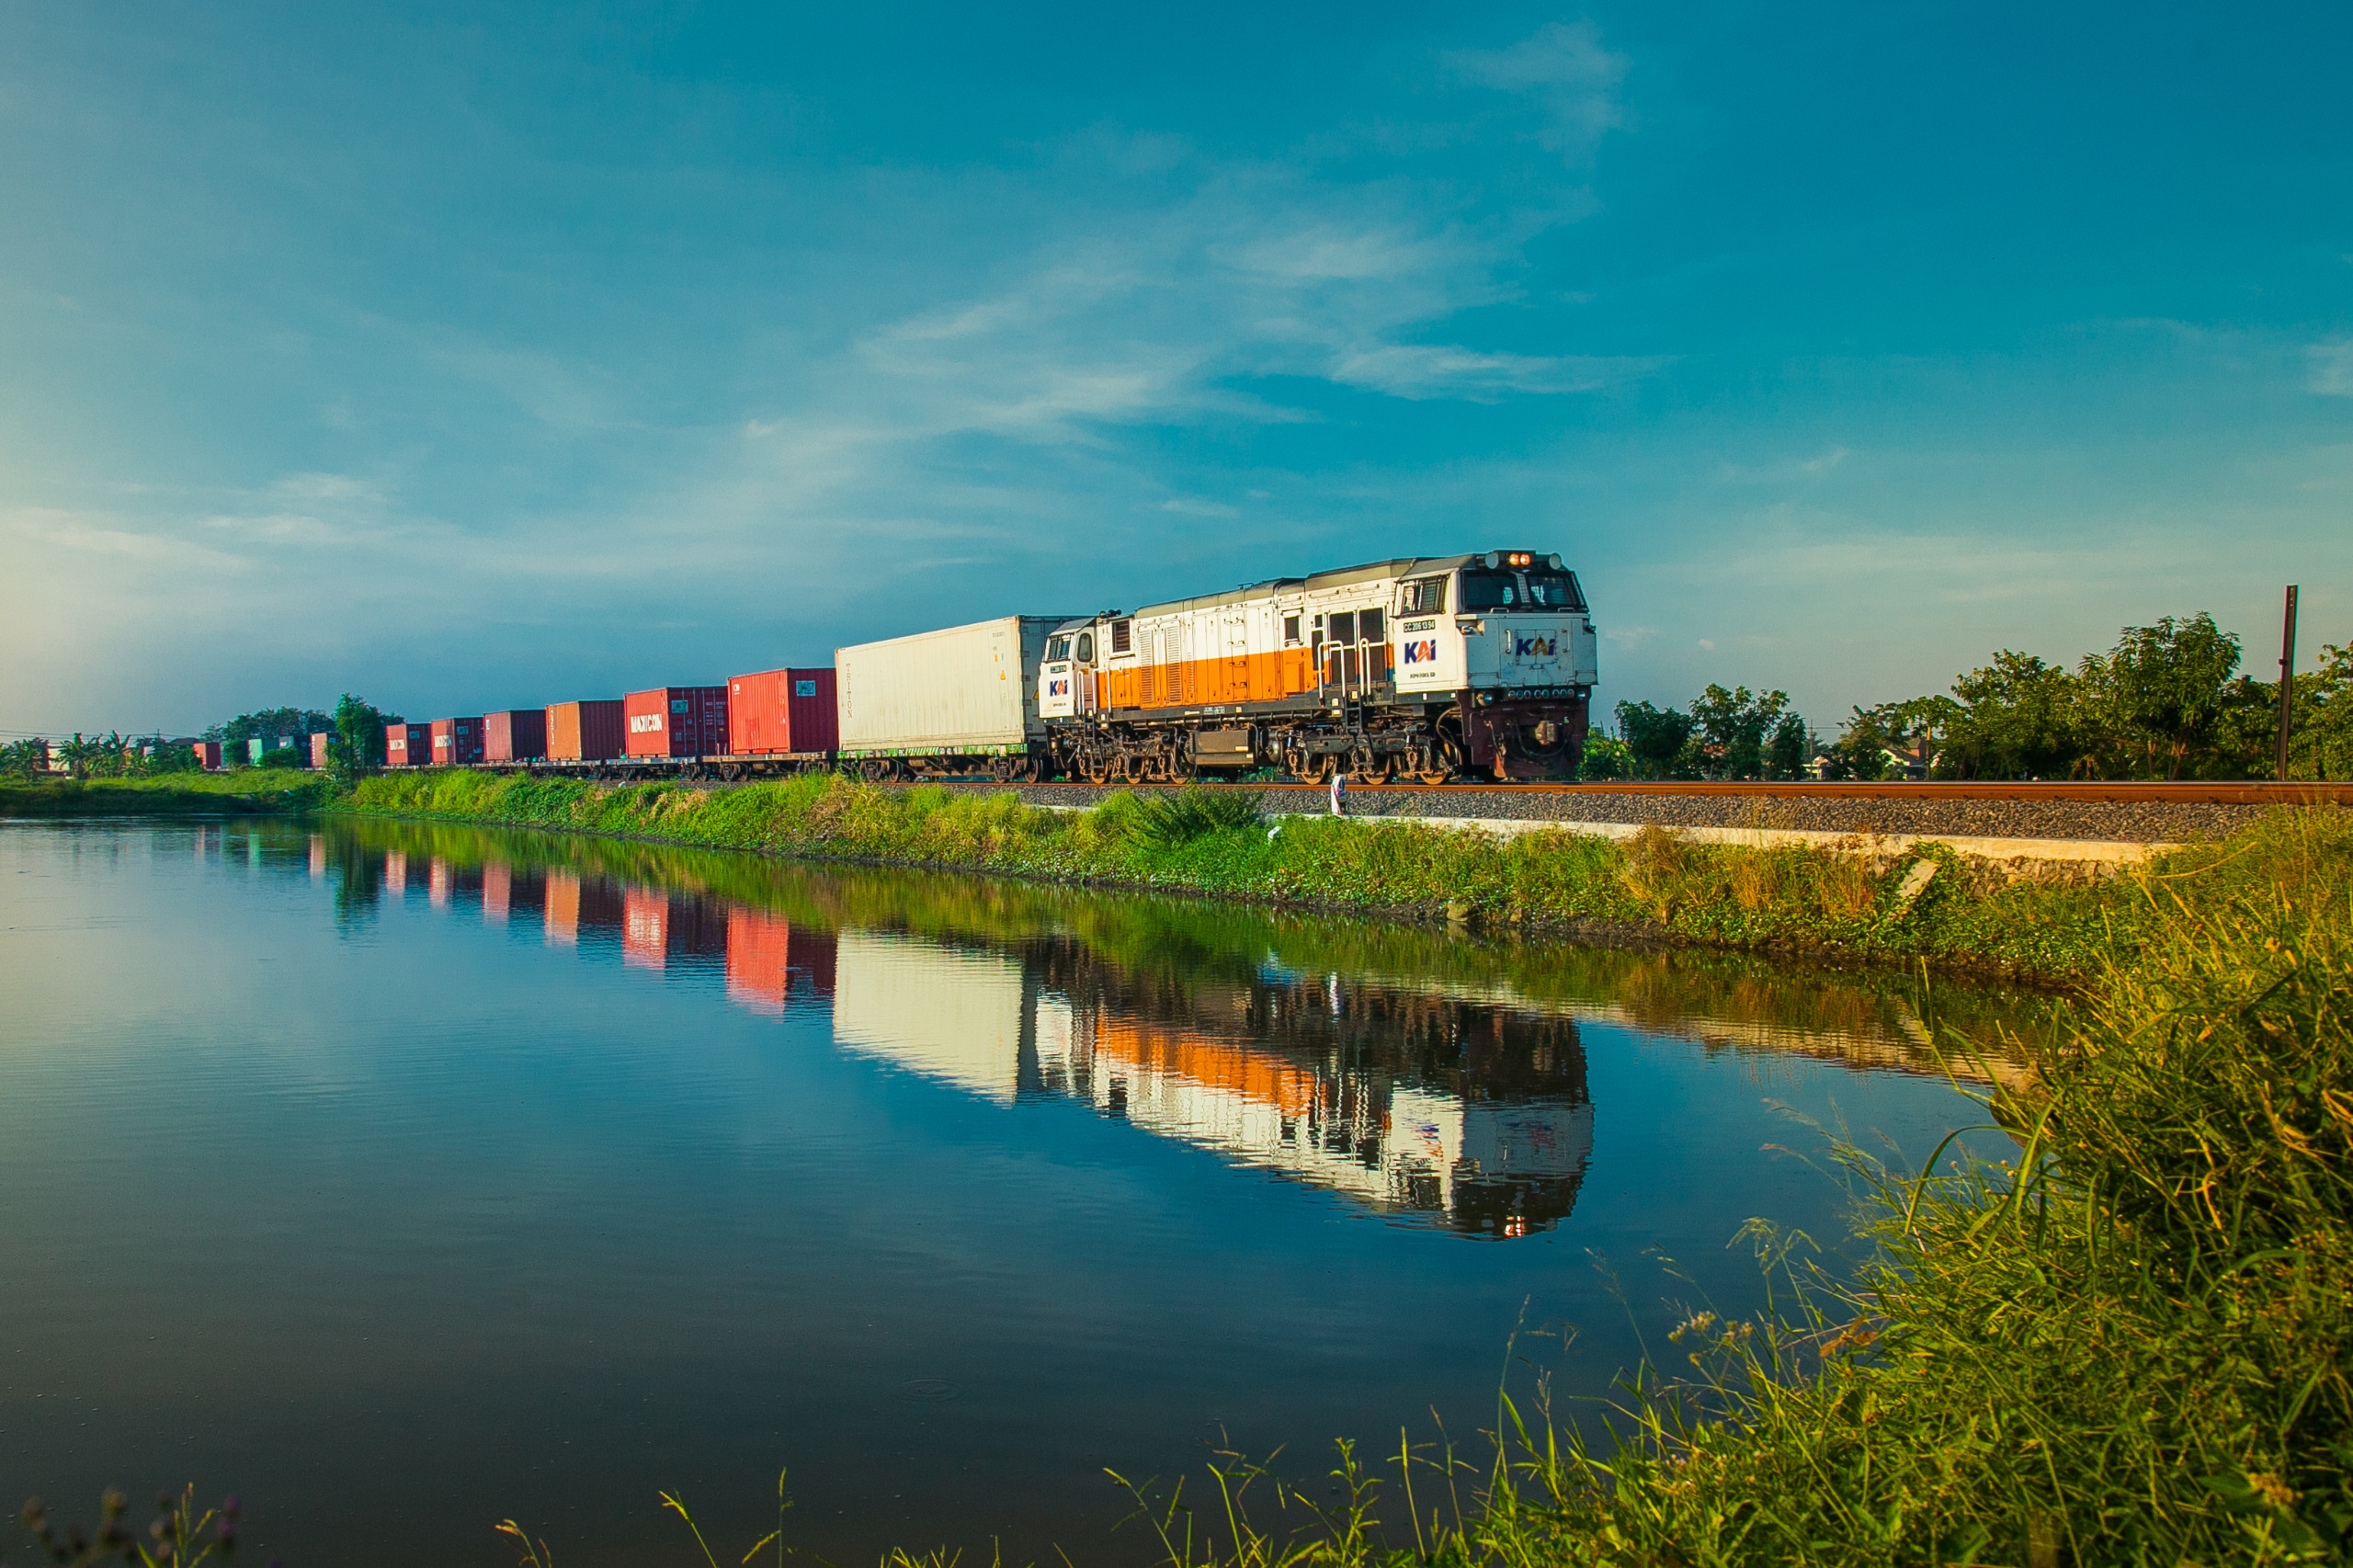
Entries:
{"x":2130,"y":1345}
{"x":169,"y":794}
{"x":1791,"y":899}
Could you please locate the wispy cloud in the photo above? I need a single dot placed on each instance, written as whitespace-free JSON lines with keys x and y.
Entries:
{"x":1564,"y":67}
{"x":2332,"y":368}
{"x":1418,"y":371}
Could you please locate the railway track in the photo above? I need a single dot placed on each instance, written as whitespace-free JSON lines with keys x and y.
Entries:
{"x":2187,"y":793}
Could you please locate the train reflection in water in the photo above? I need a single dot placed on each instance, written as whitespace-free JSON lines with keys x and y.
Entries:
{"x":1423,"y":1107}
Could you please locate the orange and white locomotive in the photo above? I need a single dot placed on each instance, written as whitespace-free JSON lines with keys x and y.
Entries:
{"x":1432,"y":668}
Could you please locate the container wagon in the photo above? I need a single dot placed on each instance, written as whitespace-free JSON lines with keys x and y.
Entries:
{"x":676,"y":721}
{"x":781,"y":722}
{"x":319,"y":748}
{"x":949,"y":701}
{"x":457,"y":742}
{"x":408,"y":745}
{"x":519,"y":734}
{"x":585,"y":731}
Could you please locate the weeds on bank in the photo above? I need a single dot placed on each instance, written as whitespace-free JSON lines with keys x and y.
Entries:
{"x":1219,"y":841}
{"x":179,"y":1537}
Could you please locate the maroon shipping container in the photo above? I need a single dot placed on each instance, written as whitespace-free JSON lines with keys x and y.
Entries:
{"x":456,"y":741}
{"x":318,"y":748}
{"x":208,"y":754}
{"x":677,"y":720}
{"x":519,"y":734}
{"x":781,"y":710}
{"x":585,"y":731}
{"x":408,"y":745}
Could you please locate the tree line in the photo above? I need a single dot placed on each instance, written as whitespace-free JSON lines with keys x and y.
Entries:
{"x":355,"y":730}
{"x":2167,"y":701}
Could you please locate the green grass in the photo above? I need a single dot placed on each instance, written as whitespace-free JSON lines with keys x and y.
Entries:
{"x":167,"y":794}
{"x":1794,"y":900}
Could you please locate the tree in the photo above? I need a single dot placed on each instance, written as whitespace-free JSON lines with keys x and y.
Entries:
{"x":358,"y":737}
{"x":26,"y":758}
{"x":2161,"y":693}
{"x":2019,"y":718}
{"x":1790,"y":749}
{"x":1654,"y":736}
{"x":1605,"y":756}
{"x":1741,"y":736}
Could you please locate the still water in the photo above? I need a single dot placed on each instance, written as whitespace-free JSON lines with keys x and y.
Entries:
{"x":401,"y":1179}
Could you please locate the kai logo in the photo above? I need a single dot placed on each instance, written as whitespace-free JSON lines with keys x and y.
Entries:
{"x":1422,"y":652}
{"x":1535,"y":647}
{"x":1058,"y":686}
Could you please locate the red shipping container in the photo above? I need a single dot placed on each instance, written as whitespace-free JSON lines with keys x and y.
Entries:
{"x":318,"y":748}
{"x":584,"y":732}
{"x":456,"y":741}
{"x":781,"y":710}
{"x":677,"y":720}
{"x":208,"y":754}
{"x":519,"y":734}
{"x":408,"y":745}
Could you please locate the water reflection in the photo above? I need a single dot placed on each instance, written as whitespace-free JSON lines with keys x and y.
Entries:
{"x":544,"y":1170}
{"x":1451,"y":1094}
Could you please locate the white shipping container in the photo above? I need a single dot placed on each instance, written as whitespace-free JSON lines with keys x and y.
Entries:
{"x":966,"y":690}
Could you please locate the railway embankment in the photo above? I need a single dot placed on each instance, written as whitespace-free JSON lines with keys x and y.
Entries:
{"x":1884,"y":900}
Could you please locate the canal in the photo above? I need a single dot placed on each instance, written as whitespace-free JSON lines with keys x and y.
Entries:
{"x":402,"y":1178}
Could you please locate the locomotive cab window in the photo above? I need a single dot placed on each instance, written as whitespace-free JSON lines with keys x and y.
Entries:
{"x":1423,"y":595}
{"x":1057,"y":649}
{"x":1521,"y":590}
{"x":1120,"y":637}
{"x":1086,"y":647}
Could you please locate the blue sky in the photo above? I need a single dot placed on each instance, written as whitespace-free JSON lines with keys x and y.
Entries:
{"x":490,"y":356}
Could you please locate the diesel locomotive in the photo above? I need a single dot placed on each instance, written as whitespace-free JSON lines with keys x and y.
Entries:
{"x":1428,"y":668}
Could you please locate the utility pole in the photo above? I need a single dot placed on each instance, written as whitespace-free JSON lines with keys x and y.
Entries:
{"x":2286,"y":677}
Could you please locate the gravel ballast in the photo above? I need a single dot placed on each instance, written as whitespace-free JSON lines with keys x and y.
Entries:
{"x":2129,"y":822}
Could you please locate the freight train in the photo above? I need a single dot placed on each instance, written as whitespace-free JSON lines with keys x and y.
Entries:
{"x":1433,"y":668}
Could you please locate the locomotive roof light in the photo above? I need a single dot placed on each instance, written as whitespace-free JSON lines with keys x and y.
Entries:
{"x":1557,"y":564}
{"x":1495,"y":559}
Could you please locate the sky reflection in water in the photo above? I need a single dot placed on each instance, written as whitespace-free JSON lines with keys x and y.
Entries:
{"x":402,"y":1178}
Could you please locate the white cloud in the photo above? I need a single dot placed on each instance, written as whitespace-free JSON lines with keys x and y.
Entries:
{"x":1417,"y":370}
{"x":2332,"y":368}
{"x":1564,"y":67}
